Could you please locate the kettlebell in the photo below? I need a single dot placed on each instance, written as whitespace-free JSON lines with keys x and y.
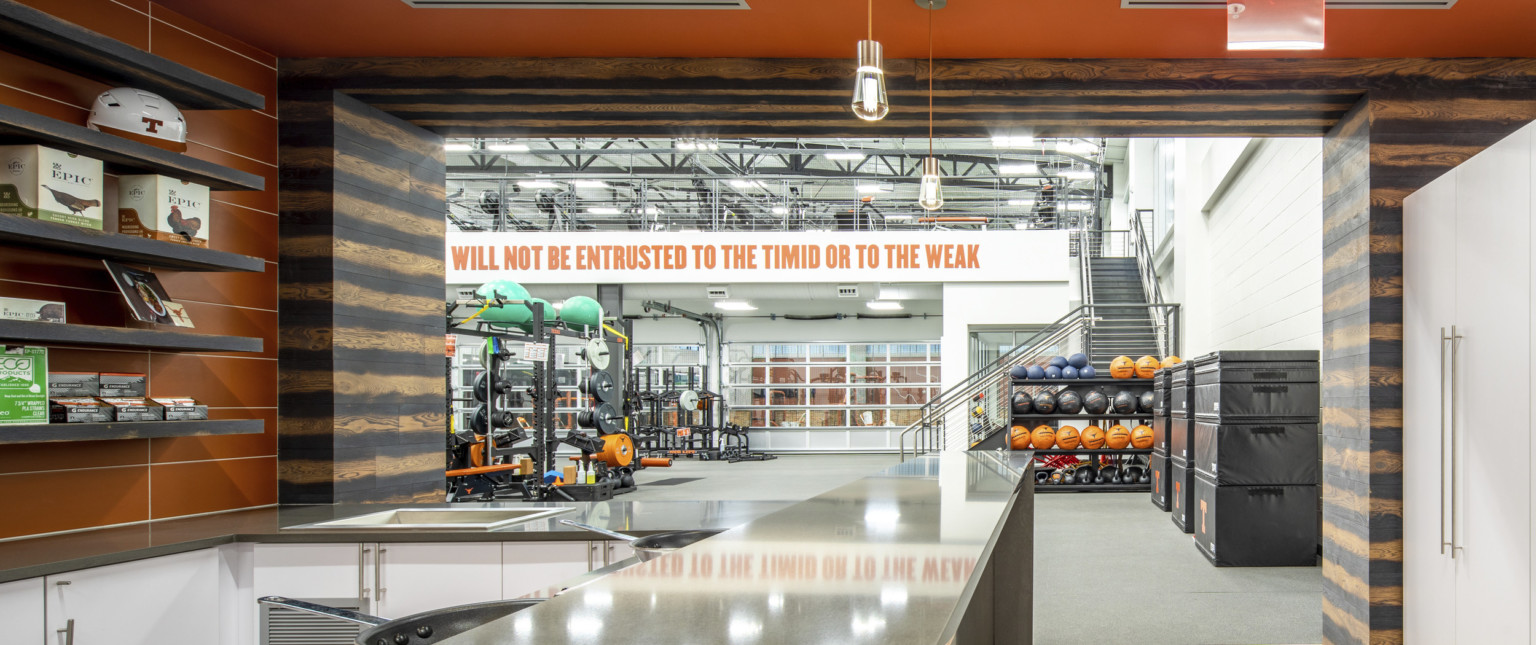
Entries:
{"x":1086,"y":475}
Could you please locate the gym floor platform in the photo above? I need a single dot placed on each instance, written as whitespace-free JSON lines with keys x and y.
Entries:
{"x":1111,"y":568}
{"x":788,"y":478}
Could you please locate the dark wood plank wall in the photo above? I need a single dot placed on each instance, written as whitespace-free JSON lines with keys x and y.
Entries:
{"x":363,"y":383}
{"x":71,"y":486}
{"x":1392,"y":125}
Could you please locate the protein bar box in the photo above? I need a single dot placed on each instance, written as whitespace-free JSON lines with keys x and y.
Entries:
{"x":23,"y":385}
{"x":74,"y":384}
{"x":82,"y":409}
{"x":50,"y":185}
{"x":182,"y":408}
{"x":36,"y":310}
{"x":162,"y":208}
{"x":121,"y":385}
{"x":133,"y":408}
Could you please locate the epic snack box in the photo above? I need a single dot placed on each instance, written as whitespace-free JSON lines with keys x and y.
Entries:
{"x":23,"y":385}
{"x":162,"y":208}
{"x":50,"y":185}
{"x":37,"y":310}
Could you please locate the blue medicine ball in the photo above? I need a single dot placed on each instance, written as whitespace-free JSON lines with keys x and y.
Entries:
{"x":1069,"y":372}
{"x":1036,"y":372}
{"x":1086,"y":371}
{"x":1078,"y":360}
{"x":1058,"y":362}
{"x":1019,"y":371}
{"x":1053,"y":372}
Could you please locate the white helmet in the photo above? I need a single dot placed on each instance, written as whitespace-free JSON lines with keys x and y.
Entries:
{"x":141,"y":116}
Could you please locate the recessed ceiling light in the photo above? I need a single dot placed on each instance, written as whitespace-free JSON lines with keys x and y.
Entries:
{"x":457,"y":147}
{"x":735,"y":305}
{"x":1021,"y":202}
{"x":883,"y":305}
{"x":507,"y":147}
{"x":1019,"y":169}
{"x":538,"y":183}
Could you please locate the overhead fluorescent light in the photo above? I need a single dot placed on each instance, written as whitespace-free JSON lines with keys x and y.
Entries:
{"x":507,"y":147}
{"x":870,"y":189}
{"x":898,"y":218}
{"x":1284,"y":25}
{"x":742,"y":183}
{"x":1012,"y":141}
{"x":538,"y":183}
{"x":457,"y":147}
{"x":883,"y":305}
{"x":735,"y":305}
{"x":1019,"y":169}
{"x":1079,"y":206}
{"x":1275,"y":45}
{"x":845,"y":156}
{"x":780,"y":210}
{"x":589,"y":183}
{"x":602,"y":210}
{"x":651,"y":210}
{"x":1022,"y":202}
{"x":1077,"y":175}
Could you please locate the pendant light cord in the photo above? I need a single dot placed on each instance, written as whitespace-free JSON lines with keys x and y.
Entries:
{"x":930,"y":78}
{"x":871,"y":19}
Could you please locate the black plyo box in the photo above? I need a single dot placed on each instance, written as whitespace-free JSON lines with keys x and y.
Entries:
{"x":1162,"y":382}
{"x":1157,"y":468}
{"x":1160,"y":425}
{"x":1266,"y":385}
{"x":1256,"y":526}
{"x":1260,"y":453}
{"x":1181,"y":437}
{"x":1181,"y":494}
{"x":598,"y":492}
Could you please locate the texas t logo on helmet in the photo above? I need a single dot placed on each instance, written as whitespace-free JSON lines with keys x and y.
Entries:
{"x":141,"y":116}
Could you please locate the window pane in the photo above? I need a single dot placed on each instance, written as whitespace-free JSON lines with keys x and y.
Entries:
{"x":867,"y":396}
{"x":934,"y":374}
{"x":909,"y":353}
{"x":750,"y":418}
{"x":681,"y":355}
{"x":786,"y":418}
{"x":745,"y":396}
{"x":909,"y":395}
{"x":829,"y":353}
{"x":904,"y":418}
{"x":748,"y":375}
{"x":908,"y":374}
{"x":786,"y":374}
{"x":786,"y":353}
{"x":933,"y":352}
{"x":868,"y":417}
{"x":828,"y":396}
{"x":737,"y":354}
{"x":786,"y":396}
{"x":867,"y":353}
{"x":829,"y":374}
{"x":867,"y":374}
{"x":828,"y":418}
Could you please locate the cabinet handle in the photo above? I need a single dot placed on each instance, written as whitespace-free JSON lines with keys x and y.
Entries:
{"x":1443,"y":340}
{"x":1455,"y":406}
{"x":362,"y":581}
{"x":378,"y":574}
{"x":69,"y":630}
{"x":62,"y":583}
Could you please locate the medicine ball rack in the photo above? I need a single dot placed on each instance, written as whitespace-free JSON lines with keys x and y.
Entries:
{"x":1121,"y":457}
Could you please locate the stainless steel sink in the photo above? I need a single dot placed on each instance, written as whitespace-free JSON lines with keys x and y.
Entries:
{"x":437,"y":519}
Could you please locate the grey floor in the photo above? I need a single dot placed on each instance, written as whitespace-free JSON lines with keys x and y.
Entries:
{"x":1109,"y":567}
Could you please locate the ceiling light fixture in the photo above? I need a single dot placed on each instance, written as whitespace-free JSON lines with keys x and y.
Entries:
{"x":589,"y":183}
{"x":869,"y":102}
{"x":1079,"y":206}
{"x":1275,"y":25}
{"x":538,"y":183}
{"x":930,"y":192}
{"x":1019,"y":169}
{"x":603,"y":210}
{"x":874,"y":188}
{"x":780,"y":210}
{"x":735,"y":305}
{"x":507,"y":147}
{"x":844,"y":156}
{"x":883,"y":305}
{"x":1021,"y":202}
{"x":457,"y":147}
{"x":743,"y":183}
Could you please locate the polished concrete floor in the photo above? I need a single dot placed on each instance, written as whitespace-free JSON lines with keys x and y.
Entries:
{"x":1109,"y":567}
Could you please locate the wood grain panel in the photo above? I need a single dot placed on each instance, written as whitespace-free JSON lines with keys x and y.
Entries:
{"x":207,"y":486}
{"x":98,"y":497}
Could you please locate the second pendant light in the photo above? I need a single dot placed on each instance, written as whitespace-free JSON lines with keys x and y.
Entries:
{"x":930,"y":194}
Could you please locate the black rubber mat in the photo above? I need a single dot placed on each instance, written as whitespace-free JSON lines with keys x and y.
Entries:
{"x":671,"y":481}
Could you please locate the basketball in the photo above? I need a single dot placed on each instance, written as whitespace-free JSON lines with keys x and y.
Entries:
{"x":1092,"y":438}
{"x":1043,"y":438}
{"x":1122,"y":367}
{"x":1146,"y":366}
{"x":1018,"y":438}
{"x":1171,"y":361}
{"x":1118,"y":437}
{"x":1141,"y":437}
{"x":1066,"y":438}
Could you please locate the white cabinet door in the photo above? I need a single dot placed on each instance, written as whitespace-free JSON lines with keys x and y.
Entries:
{"x":21,"y":611}
{"x":618,"y":550}
{"x":1429,"y":302}
{"x":417,"y":577}
{"x":172,"y":599}
{"x":536,"y":569}
{"x":1493,"y":495}
{"x":311,"y":571}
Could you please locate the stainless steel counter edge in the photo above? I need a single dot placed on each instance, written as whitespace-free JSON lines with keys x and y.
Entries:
{"x":63,"y":553}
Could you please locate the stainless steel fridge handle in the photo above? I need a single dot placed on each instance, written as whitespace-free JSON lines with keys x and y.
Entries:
{"x":1443,"y":340}
{"x":1455,"y":341}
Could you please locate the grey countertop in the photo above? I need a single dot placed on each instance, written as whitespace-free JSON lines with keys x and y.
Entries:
{"x":29,"y":558}
{"x":892,"y":558}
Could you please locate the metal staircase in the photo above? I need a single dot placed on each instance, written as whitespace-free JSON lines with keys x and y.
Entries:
{"x":1123,"y":314}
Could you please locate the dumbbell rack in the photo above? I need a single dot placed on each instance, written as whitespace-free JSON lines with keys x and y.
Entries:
{"x":1135,"y":385}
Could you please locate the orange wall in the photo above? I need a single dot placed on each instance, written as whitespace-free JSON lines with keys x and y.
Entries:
{"x":58,"y":487}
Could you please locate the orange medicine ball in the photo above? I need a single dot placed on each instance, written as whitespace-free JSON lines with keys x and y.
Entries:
{"x":1018,"y":438}
{"x":1122,"y":367}
{"x":1092,"y":438}
{"x":1171,"y":361}
{"x":1066,"y":438}
{"x":1044,"y":438}
{"x":1141,"y":437}
{"x":1118,"y":437}
{"x":1146,"y":366}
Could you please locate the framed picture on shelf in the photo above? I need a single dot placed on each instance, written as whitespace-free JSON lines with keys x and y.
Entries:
{"x":145,"y":297}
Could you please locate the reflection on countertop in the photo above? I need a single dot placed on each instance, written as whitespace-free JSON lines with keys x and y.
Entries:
{"x":28,"y":558}
{"x":891,"y":558}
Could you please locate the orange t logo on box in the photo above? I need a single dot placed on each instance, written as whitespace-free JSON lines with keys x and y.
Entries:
{"x":1202,"y":516}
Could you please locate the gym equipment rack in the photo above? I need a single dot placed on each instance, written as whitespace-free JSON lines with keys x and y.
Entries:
{"x":1121,"y":457}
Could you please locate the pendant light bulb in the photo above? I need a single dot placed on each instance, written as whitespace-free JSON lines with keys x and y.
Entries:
{"x":869,"y":102}
{"x":930,"y":194}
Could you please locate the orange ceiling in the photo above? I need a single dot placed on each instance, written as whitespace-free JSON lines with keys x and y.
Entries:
{"x":828,"y":29}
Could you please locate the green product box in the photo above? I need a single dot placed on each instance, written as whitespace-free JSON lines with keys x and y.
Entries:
{"x":24,"y":385}
{"x":50,"y":185}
